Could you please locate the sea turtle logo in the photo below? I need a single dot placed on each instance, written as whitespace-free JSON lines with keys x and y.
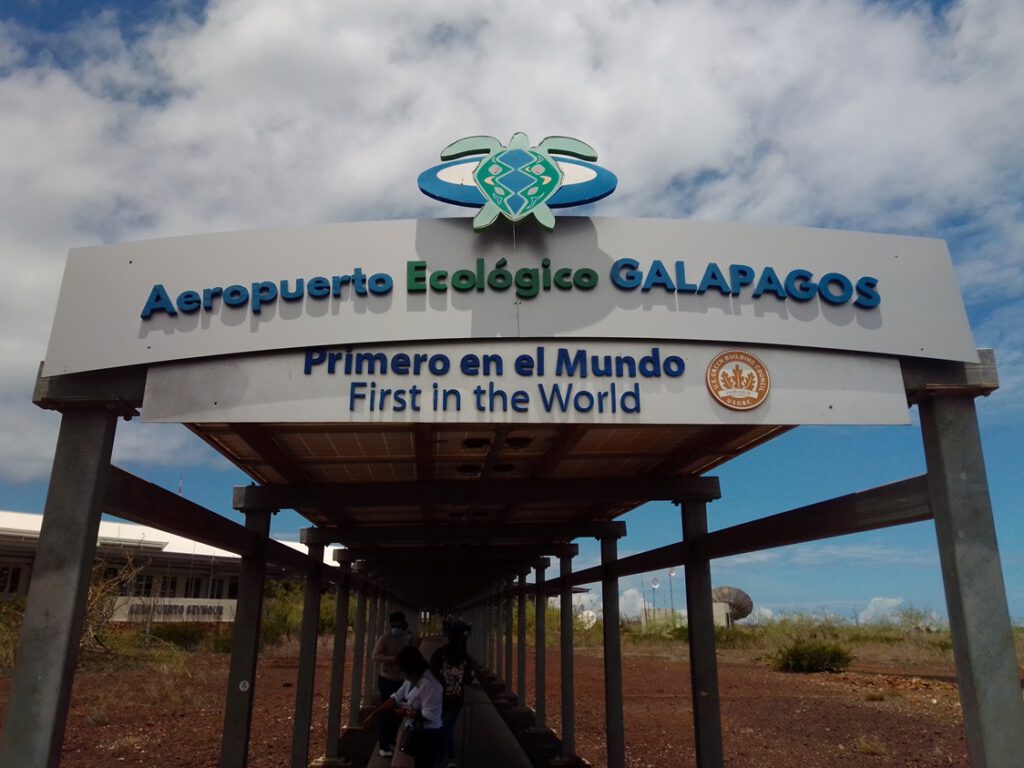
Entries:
{"x":517,"y":180}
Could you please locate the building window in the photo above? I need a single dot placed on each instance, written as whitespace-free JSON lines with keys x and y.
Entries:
{"x":193,"y":587}
{"x":217,"y":589}
{"x":10,"y":579}
{"x":169,"y":586}
{"x":233,"y":589}
{"x":143,"y":586}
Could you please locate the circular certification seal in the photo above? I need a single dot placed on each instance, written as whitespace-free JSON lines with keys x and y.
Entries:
{"x":738,"y":380}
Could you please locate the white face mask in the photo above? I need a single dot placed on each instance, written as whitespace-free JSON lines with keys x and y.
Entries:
{"x":396,"y":631}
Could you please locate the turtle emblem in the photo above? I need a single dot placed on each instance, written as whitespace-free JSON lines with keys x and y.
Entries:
{"x":517,"y":180}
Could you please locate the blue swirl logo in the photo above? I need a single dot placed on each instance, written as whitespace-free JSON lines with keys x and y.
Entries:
{"x":517,"y":180}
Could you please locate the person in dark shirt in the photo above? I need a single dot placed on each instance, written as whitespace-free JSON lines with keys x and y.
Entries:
{"x":451,"y":666}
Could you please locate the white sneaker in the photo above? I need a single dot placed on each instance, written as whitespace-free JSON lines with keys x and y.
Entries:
{"x":386,"y":752}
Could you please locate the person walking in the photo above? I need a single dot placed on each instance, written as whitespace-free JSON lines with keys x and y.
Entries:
{"x":419,"y":702}
{"x":389,"y":680}
{"x":452,"y":668}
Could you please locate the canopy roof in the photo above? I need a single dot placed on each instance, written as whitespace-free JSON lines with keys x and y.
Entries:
{"x":440,"y":512}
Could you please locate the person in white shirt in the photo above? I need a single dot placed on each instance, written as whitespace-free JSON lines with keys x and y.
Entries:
{"x":419,"y":700}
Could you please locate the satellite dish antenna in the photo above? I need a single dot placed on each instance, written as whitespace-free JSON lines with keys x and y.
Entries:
{"x":739,"y":602}
{"x":655,"y":583}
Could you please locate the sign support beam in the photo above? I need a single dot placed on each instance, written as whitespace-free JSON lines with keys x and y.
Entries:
{"x":338,"y":657}
{"x":307,"y":658}
{"x":975,"y":593}
{"x":245,"y":645}
{"x":55,"y":611}
{"x":707,"y":719}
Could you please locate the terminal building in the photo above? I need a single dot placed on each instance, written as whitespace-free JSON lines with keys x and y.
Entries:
{"x":172,"y":578}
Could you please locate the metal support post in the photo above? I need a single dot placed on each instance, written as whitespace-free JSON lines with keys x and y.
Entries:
{"x":55,"y":611}
{"x":499,"y":638}
{"x":489,"y":630}
{"x":614,"y":727}
{"x":707,"y":719}
{"x":507,"y":620}
{"x":979,"y":620}
{"x":540,"y":642}
{"x":307,"y":658}
{"x":358,"y":652}
{"x":372,"y":633}
{"x":245,"y":641}
{"x":338,"y":659}
{"x":568,"y":672}
{"x":521,"y":639}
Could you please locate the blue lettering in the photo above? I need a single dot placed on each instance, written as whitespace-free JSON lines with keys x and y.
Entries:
{"x":188,"y":302}
{"x":318,"y":288}
{"x":740,"y":275}
{"x":658,"y":276}
{"x":713,"y":278}
{"x":681,"y":285}
{"x":868,"y":298}
{"x":314,"y":357}
{"x":262,"y":293}
{"x":834,"y":278}
{"x":769,"y":282}
{"x":625,"y":274}
{"x":800,"y":286}
{"x":158,"y":301}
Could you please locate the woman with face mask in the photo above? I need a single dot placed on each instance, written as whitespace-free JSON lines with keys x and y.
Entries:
{"x":418,"y":701}
{"x":390,"y":679}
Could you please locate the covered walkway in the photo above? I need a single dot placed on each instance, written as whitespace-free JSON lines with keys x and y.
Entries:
{"x":482,"y":739}
{"x":459,"y":444}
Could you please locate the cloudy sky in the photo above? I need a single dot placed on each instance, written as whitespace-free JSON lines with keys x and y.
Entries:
{"x":130,"y":121}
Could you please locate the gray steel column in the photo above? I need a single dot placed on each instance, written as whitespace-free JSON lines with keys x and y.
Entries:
{"x":307,"y":658}
{"x":616,"y":738}
{"x":508,"y":636}
{"x":485,"y":632}
{"x":979,"y":620}
{"x":499,"y":626}
{"x":707,"y":719}
{"x":568,"y":671}
{"x":355,"y":695}
{"x":521,"y":639}
{"x":338,"y":659}
{"x":372,"y":633}
{"x":52,"y":627}
{"x":492,"y":631}
{"x":245,"y":642}
{"x":540,"y":643}
{"x":489,"y":630}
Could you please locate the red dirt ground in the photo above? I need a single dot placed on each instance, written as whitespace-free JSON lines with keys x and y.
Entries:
{"x":170,"y":715}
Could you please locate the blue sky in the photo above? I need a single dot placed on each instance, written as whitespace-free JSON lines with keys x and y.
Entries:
{"x":127,"y":121}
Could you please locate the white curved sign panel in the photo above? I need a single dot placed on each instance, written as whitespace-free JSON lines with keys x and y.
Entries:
{"x":435,"y":280}
{"x":517,"y":382}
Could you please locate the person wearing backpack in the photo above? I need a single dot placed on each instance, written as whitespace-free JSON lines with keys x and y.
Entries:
{"x":452,"y":668}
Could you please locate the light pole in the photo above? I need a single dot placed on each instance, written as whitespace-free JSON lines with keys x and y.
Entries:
{"x":654,"y":596}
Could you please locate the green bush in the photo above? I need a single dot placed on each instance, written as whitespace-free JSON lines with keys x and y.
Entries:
{"x":182,"y":634}
{"x":218,"y":639}
{"x":809,"y":655}
{"x":11,"y":614}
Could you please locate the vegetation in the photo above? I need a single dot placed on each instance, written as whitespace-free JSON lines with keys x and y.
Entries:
{"x":812,"y":656}
{"x":11,"y":612}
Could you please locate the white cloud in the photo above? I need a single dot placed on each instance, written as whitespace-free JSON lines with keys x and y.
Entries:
{"x":862,"y":554}
{"x":864,"y":115}
{"x":631,"y":603}
{"x":880,"y":609}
